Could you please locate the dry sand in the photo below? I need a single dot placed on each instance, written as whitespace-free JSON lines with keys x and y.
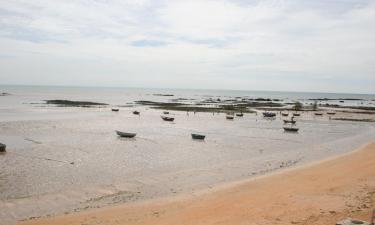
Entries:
{"x":320,"y":193}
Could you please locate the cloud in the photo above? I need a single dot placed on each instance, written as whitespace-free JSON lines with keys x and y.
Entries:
{"x":258,"y":44}
{"x":146,"y":43}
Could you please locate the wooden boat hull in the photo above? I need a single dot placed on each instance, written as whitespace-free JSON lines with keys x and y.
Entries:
{"x":115,"y":110}
{"x":331,"y":113}
{"x":269,"y":114}
{"x":198,"y":136}
{"x":229,"y":117}
{"x":125,"y":134}
{"x":296,"y":114}
{"x":239,"y":114}
{"x":2,"y":147}
{"x":165,"y":118}
{"x":285,"y":114}
{"x":291,"y":129}
{"x":318,"y":114}
{"x":136,"y":113}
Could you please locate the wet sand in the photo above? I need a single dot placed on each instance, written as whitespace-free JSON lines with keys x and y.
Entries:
{"x":319,"y":193}
{"x":73,"y":161}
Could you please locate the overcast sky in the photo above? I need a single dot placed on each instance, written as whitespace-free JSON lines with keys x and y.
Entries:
{"x":311,"y":45}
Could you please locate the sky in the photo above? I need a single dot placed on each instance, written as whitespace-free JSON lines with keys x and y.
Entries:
{"x":280,"y":45}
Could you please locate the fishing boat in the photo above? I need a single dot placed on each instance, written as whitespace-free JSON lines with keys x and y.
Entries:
{"x":331,"y":113}
{"x":198,"y":136}
{"x":166,"y":112}
{"x":229,"y":117}
{"x":2,"y":147}
{"x":290,"y":121}
{"x":239,"y":114}
{"x":296,"y":114}
{"x":115,"y":110}
{"x":136,"y":112}
{"x":285,"y":114}
{"x":269,"y":114}
{"x":166,"y":118}
{"x":291,"y":129}
{"x":125,"y":134}
{"x":318,"y":114}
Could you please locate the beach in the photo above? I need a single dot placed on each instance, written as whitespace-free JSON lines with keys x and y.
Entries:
{"x":67,"y":159}
{"x":228,"y":112}
{"x":318,"y":193}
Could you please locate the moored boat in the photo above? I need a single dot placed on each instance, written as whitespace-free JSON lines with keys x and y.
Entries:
{"x":296,"y":114}
{"x":229,"y":117}
{"x":115,"y":110}
{"x":269,"y":114}
{"x":291,"y":129}
{"x":125,"y":134}
{"x":331,"y":113}
{"x":318,"y":114}
{"x":166,"y":118}
{"x":239,"y":114}
{"x":2,"y":147}
{"x":198,"y":136}
{"x":136,"y":112}
{"x":285,"y":114}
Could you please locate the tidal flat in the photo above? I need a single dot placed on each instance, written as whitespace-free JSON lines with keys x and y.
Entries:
{"x":67,"y":159}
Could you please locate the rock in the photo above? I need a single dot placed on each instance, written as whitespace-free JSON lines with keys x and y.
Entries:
{"x":350,"y":221}
{"x":2,"y":147}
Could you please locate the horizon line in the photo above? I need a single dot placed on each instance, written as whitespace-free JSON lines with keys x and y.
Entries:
{"x":179,"y":88}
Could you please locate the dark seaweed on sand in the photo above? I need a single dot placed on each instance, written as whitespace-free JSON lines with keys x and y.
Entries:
{"x":68,"y":103}
{"x":177,"y":106}
{"x":354,"y":120}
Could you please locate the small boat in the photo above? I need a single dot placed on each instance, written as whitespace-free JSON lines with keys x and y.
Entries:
{"x":2,"y":147}
{"x":229,"y":117}
{"x":285,"y":114}
{"x":290,"y":121}
{"x":125,"y":134}
{"x":239,"y":114}
{"x":296,"y":114}
{"x":318,"y":114}
{"x":291,"y":129}
{"x":166,"y":118}
{"x":115,"y":110}
{"x":269,"y":114}
{"x":165,"y":112}
{"x":198,"y":136}
{"x":331,"y":113}
{"x":136,"y":112}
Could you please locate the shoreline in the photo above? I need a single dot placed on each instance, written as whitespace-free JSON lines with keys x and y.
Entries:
{"x":341,"y":184}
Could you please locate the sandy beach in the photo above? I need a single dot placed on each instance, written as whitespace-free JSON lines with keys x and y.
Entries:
{"x":205,"y":112}
{"x":318,"y":193}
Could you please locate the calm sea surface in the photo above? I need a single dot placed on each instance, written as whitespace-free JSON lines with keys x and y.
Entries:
{"x":22,"y":95}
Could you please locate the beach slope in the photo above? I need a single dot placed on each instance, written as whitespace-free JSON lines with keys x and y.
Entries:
{"x":320,"y":193}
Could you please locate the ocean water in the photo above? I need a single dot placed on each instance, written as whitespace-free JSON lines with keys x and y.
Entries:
{"x":22,"y":96}
{"x":112,"y":95}
{"x":65,"y":159}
